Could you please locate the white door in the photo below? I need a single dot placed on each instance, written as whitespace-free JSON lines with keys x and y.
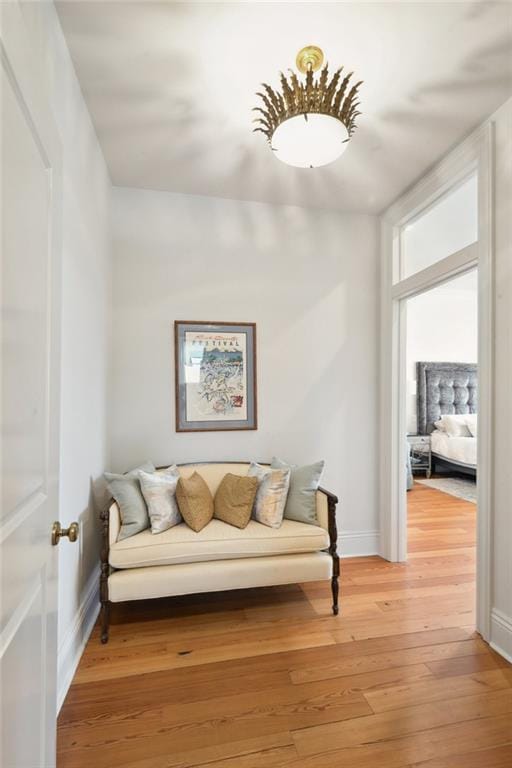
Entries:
{"x":30,"y":285}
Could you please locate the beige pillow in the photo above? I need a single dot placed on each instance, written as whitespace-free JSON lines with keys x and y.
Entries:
{"x":272,"y":493}
{"x":234,"y":499}
{"x":195,"y":501}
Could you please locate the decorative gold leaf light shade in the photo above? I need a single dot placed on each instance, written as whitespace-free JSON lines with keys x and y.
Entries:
{"x":309,"y":123}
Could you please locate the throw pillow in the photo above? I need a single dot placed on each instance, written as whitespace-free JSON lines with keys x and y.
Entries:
{"x":126,"y":491}
{"x":304,"y":482}
{"x":455,"y":425}
{"x":159,"y":491}
{"x":472,"y":424}
{"x":271,"y":495}
{"x":234,"y":499}
{"x":195,"y":501}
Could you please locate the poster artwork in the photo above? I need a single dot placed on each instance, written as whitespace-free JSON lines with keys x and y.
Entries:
{"x":216,"y":376}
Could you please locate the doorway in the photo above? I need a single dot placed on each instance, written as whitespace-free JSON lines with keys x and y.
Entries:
{"x":464,"y":174}
{"x":441,"y":349}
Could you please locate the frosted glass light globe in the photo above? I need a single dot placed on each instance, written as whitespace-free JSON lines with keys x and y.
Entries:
{"x":309,"y":141}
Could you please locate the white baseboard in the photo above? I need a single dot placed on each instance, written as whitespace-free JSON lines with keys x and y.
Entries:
{"x":73,"y":644}
{"x":358,"y":543}
{"x":501,"y":634}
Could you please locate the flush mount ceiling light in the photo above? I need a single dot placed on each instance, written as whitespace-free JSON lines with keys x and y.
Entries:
{"x":308,"y":124}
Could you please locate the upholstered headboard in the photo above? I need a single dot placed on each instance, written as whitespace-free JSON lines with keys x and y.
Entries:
{"x":445,"y":388}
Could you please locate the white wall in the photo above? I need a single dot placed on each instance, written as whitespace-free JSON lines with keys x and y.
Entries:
{"x":442,"y":326}
{"x":501,"y":624}
{"x":86,"y":297}
{"x":307,"y":278}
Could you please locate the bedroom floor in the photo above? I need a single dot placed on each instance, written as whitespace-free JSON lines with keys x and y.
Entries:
{"x":460,"y":486}
{"x":269,"y":678}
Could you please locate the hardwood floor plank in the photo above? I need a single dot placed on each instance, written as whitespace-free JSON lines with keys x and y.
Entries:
{"x":104,"y":696}
{"x":436,"y":689}
{"x":393,"y":724}
{"x":403,"y":625}
{"x":150,"y":734}
{"x":495,"y":757}
{"x":321,"y":701}
{"x":440,"y":744}
{"x":446,"y":654}
{"x":163,"y":657}
{"x":463,"y":665}
{"x":280,"y":743}
{"x":307,"y":703}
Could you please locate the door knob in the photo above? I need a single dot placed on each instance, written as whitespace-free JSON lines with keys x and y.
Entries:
{"x":58,"y":532}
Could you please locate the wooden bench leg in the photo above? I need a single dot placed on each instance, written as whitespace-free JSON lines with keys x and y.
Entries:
{"x":333,"y":536}
{"x":335,"y":584}
{"x":105,"y":620}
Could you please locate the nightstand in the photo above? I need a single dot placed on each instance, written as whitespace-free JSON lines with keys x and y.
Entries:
{"x":421,"y":457}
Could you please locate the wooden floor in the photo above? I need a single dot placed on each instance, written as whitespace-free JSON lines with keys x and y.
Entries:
{"x":269,"y":678}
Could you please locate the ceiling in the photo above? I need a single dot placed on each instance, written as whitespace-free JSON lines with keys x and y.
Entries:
{"x":170,"y":87}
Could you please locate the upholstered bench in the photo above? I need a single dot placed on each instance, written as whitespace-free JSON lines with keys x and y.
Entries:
{"x":180,"y":561}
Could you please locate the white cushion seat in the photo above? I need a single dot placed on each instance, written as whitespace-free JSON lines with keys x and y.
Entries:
{"x":217,"y":541}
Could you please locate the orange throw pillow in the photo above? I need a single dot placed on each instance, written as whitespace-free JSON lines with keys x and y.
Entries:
{"x":234,"y":499}
{"x":195,"y":501}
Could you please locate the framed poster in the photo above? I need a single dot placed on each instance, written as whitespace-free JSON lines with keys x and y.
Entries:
{"x":215,"y":376}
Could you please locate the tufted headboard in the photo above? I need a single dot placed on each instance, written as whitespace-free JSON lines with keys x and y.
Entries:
{"x":445,"y":388}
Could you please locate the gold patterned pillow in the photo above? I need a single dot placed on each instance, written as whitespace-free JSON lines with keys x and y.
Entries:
{"x":234,"y":499}
{"x":272,"y":493}
{"x":195,"y":501}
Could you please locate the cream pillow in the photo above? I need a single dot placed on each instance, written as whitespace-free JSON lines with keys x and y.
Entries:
{"x":159,"y":491}
{"x":472,"y":424}
{"x":271,"y":495}
{"x":455,"y":425}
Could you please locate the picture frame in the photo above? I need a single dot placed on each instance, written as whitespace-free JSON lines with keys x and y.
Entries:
{"x":215,"y":376}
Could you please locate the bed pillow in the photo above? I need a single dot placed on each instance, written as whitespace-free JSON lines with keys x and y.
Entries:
{"x":455,"y":425}
{"x":271,"y":496}
{"x":472,"y":424}
{"x":132,"y":508}
{"x":195,"y":501}
{"x":304,"y":482}
{"x":159,"y":491}
{"x":234,"y":499}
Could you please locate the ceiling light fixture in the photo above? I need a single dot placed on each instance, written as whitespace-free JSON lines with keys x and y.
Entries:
{"x":309,"y":123}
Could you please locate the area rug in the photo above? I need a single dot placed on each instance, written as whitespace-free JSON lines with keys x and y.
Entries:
{"x":463,"y":488}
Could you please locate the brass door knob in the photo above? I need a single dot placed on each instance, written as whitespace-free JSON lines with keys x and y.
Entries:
{"x":58,"y":532}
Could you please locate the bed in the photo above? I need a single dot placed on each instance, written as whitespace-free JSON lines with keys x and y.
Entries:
{"x":447,"y":389}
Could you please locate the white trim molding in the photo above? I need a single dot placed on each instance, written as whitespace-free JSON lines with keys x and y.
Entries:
{"x":445,"y":269}
{"x":501,"y":634}
{"x":358,"y":543}
{"x":474,"y":154}
{"x":75,"y":640}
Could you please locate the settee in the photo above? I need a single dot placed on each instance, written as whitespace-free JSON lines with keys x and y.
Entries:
{"x":180,"y":561}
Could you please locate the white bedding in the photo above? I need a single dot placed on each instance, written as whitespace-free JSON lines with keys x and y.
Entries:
{"x":461,"y":449}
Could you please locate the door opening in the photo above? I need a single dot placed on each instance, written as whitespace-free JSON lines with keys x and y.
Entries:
{"x":441,"y":392}
{"x":466,"y":174}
